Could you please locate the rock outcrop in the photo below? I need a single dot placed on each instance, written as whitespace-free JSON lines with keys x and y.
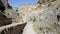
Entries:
{"x":10,"y":19}
{"x":41,"y":18}
{"x":3,"y":18}
{"x":14,"y":30}
{"x":4,"y":5}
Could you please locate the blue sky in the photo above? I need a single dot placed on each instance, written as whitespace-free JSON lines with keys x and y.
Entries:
{"x":16,"y":3}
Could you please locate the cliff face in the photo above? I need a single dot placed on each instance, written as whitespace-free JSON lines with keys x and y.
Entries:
{"x":41,"y":18}
{"x":5,"y":2}
{"x":4,"y":5}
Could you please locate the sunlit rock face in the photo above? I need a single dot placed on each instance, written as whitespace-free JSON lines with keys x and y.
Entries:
{"x":14,"y":14}
{"x":36,"y":18}
{"x":41,"y":19}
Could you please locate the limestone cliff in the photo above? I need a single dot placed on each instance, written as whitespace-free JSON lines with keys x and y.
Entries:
{"x":40,"y":18}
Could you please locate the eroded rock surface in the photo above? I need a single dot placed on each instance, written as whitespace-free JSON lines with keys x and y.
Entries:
{"x":14,"y":30}
{"x":41,"y":18}
{"x":4,"y":5}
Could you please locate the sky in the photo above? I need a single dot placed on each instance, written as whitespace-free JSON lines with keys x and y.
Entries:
{"x":16,"y":3}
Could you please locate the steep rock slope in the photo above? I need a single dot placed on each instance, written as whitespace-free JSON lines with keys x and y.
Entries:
{"x":41,"y":18}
